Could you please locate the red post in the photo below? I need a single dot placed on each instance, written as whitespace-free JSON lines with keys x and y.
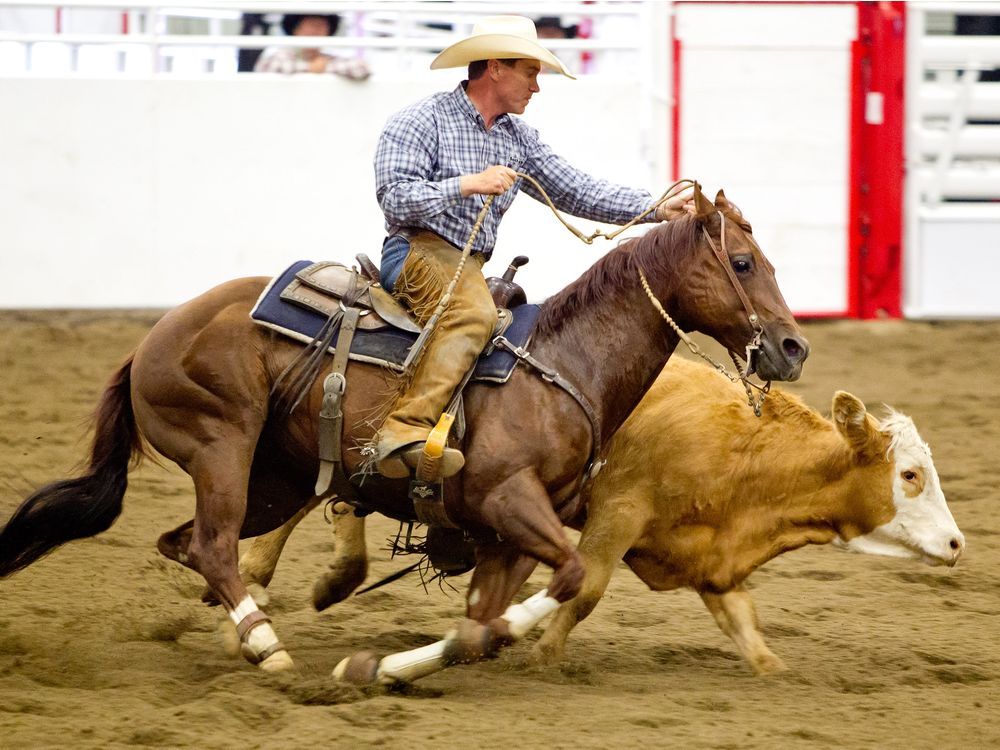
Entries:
{"x":877,"y":161}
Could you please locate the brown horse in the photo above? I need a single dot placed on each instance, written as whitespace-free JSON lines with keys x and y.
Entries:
{"x":198,"y":389}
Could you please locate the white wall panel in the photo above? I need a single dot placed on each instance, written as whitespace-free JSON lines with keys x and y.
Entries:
{"x":147,"y":192}
{"x":765,"y":112}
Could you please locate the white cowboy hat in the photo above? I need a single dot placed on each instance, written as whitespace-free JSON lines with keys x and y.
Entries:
{"x":499,"y":38}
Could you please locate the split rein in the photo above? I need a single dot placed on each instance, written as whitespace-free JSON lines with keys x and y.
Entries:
{"x":753,"y":346}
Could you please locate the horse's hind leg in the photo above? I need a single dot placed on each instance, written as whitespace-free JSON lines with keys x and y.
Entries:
{"x":346,"y":572}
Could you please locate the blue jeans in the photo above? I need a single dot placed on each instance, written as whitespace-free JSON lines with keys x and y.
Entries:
{"x":394,"y":252}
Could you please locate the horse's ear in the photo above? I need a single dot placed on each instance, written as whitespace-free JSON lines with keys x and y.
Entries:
{"x":721,"y":201}
{"x":703,"y":208}
{"x":858,"y":427}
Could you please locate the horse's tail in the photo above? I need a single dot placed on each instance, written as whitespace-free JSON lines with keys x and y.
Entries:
{"x":85,"y":506}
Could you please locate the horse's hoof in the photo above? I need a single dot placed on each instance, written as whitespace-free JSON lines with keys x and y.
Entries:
{"x":279,"y":661}
{"x":472,"y":641}
{"x":358,"y":669}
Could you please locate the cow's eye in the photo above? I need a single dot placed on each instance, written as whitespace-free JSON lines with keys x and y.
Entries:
{"x":909,"y":476}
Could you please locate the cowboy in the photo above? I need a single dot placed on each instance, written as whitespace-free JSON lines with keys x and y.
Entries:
{"x":435,"y":164}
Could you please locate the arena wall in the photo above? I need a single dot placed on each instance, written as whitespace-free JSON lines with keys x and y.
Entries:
{"x":145,"y":192}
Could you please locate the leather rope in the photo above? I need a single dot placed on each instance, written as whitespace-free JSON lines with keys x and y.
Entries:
{"x":721,"y":255}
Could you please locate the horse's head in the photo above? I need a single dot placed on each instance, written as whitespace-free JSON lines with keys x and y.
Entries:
{"x":734,"y":296}
{"x":904,"y":510}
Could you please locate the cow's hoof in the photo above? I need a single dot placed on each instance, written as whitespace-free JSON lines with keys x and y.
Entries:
{"x":339,"y":582}
{"x":359,"y":669}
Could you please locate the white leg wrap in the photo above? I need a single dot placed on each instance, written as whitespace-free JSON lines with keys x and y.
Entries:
{"x":524,"y":616}
{"x":261,"y":637}
{"x":414,"y":664}
{"x":426,"y":660}
{"x":244,"y":608}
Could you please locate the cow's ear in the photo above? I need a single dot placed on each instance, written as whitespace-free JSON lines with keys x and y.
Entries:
{"x":858,"y":427}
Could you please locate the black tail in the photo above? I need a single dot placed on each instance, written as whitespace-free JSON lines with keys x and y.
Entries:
{"x":85,"y":506}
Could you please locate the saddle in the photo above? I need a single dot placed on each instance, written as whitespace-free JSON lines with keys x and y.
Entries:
{"x":345,"y":312}
{"x":324,"y":286}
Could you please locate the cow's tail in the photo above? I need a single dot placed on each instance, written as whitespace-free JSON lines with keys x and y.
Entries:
{"x":87,"y":505}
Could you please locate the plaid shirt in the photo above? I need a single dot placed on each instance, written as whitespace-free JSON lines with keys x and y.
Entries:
{"x":425,"y":149}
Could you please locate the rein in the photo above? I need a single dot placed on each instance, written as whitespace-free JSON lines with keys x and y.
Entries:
{"x":753,"y":346}
{"x":554,"y":377}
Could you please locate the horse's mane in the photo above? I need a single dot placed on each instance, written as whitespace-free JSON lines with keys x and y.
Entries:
{"x":654,"y":252}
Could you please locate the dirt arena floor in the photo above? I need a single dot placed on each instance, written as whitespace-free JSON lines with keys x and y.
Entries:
{"x":105,"y":644}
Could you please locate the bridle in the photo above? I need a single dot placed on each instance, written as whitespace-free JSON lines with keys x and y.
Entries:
{"x":752,"y":347}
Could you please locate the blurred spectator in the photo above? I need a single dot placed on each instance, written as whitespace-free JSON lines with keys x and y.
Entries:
{"x":980,"y":25}
{"x":252,"y":24}
{"x":550,"y":27}
{"x":310,"y":60}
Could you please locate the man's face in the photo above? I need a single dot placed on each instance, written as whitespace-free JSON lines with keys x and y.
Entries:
{"x":516,"y":83}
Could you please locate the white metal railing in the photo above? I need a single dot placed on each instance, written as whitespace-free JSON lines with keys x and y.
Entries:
{"x":952,"y":188}
{"x":145,"y":44}
{"x":953,"y":118}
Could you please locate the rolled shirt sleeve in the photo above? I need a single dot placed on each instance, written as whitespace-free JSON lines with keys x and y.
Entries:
{"x":576,"y":192}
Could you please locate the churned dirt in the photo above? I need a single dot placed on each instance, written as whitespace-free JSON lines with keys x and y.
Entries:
{"x":105,"y":644}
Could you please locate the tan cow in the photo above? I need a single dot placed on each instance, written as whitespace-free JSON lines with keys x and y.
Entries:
{"x":698,"y":493}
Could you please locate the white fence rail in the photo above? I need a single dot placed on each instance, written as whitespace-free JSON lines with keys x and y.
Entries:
{"x":90,"y":36}
{"x":953,"y":165}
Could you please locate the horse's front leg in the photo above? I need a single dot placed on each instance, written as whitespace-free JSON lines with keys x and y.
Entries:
{"x":736,"y":616}
{"x":501,"y":570}
{"x":613,"y":526}
{"x":521,"y":512}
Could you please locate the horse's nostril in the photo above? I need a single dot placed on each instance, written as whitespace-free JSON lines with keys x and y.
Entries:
{"x":955,"y":544}
{"x":794,"y":349}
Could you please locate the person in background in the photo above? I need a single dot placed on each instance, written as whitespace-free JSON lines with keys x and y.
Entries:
{"x":310,"y":60}
{"x":550,"y":27}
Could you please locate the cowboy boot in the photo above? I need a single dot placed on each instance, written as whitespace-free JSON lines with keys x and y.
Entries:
{"x":462,"y":332}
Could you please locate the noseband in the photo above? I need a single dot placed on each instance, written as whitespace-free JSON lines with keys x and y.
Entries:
{"x":753,"y":346}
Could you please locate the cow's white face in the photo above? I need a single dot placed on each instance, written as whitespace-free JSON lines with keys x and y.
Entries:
{"x":923,"y":526}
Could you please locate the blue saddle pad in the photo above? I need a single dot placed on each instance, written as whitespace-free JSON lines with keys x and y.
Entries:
{"x":387,"y":347}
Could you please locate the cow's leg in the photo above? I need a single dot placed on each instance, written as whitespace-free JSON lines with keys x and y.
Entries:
{"x":349,"y":567}
{"x":612,"y":528}
{"x":736,"y":615}
{"x":259,"y":561}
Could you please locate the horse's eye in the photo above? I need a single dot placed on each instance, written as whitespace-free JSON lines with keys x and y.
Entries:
{"x":741,"y":265}
{"x":909,"y":476}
